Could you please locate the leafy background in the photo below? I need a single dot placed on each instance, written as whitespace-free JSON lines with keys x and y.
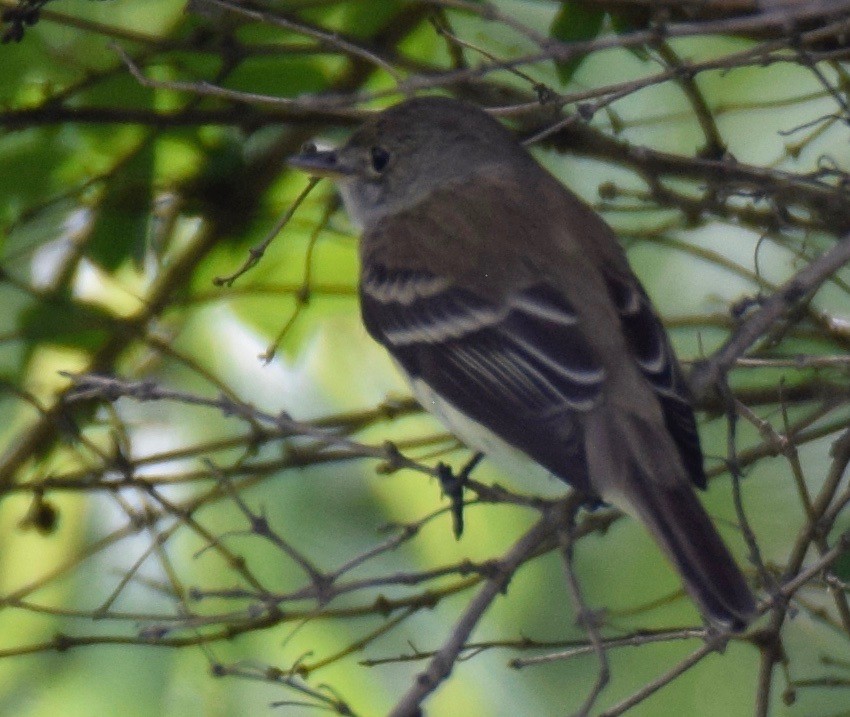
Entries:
{"x":130,"y":577}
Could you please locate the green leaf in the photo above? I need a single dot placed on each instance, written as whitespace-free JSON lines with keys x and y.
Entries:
{"x":841,"y":567}
{"x":356,"y":20}
{"x":123,"y":215}
{"x":622,"y":25}
{"x":61,"y":321}
{"x":29,"y":159}
{"x":575,"y":22}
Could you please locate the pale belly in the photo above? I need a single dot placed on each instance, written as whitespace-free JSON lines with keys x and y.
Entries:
{"x":520,"y":470}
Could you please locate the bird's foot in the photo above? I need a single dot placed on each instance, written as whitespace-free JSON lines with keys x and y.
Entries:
{"x":453,"y":484}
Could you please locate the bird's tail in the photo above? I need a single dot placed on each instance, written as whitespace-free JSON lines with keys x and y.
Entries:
{"x":641,"y":473}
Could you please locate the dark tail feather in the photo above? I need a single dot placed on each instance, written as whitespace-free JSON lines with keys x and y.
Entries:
{"x":637,"y":468}
{"x":682,"y":528}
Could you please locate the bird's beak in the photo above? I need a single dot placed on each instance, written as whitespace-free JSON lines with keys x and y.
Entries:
{"x":320,"y":163}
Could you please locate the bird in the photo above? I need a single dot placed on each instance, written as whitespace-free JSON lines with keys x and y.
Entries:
{"x":511,"y":308}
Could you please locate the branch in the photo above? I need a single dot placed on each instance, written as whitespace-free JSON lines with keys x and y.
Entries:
{"x":443,"y":661}
{"x":802,"y":285}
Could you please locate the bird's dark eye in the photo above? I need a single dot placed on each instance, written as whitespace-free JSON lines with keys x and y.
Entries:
{"x":380,"y":159}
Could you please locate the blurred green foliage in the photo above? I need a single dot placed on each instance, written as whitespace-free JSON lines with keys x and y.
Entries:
{"x":119,"y":205}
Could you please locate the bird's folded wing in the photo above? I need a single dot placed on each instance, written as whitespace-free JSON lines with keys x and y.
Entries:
{"x":651,"y":350}
{"x":521,"y":367}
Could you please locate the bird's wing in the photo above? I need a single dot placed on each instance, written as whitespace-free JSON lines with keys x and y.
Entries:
{"x":651,"y":350}
{"x":521,"y":367}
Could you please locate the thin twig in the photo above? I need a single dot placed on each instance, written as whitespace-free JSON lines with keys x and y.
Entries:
{"x":587,"y":618}
{"x":803,"y":284}
{"x":443,"y":661}
{"x":256,"y":253}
